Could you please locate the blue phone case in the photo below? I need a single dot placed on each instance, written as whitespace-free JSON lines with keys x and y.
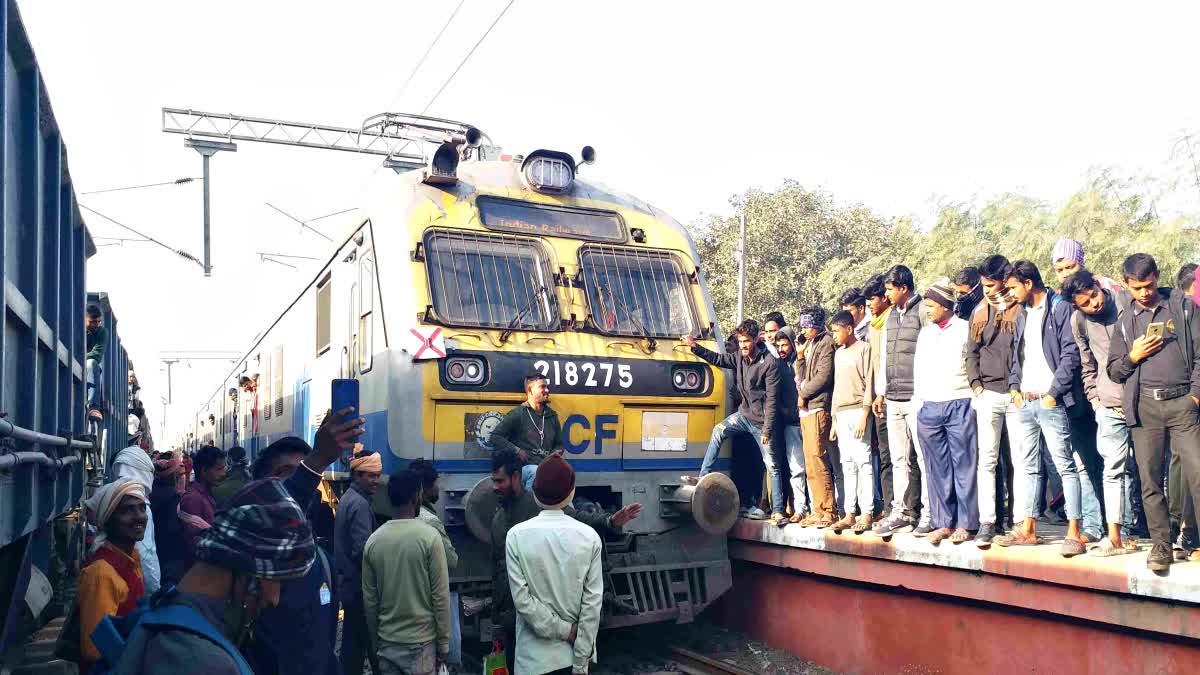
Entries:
{"x":344,"y":394}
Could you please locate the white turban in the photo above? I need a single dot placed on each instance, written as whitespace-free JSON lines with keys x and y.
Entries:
{"x":103,"y":503}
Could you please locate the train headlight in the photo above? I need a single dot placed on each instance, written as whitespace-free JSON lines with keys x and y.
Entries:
{"x":465,"y":370}
{"x":687,"y":378}
{"x":549,"y":171}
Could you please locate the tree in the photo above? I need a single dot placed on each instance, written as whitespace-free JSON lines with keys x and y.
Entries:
{"x":803,"y":248}
{"x":791,"y":235}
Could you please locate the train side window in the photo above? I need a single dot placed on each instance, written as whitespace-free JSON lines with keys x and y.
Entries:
{"x":324,"y":297}
{"x":366,"y":313}
{"x":277,"y":387}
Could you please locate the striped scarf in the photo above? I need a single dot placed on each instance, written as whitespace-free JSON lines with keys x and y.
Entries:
{"x":1004,"y":319}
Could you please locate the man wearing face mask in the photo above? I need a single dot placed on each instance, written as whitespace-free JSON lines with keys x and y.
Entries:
{"x":967,"y":292}
{"x":258,"y":544}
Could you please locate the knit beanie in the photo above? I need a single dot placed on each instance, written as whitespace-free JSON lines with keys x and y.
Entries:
{"x":554,"y":483}
{"x":1067,"y":249}
{"x":941,"y":293}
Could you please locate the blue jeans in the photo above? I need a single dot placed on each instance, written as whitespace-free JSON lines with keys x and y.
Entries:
{"x":737,"y":423}
{"x":1115,"y":446}
{"x":1032,"y":422}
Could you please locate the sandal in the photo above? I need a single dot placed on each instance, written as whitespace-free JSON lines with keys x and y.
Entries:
{"x":1073,"y":547}
{"x":1016,"y":538}
{"x":843,"y":523}
{"x":863,"y":523}
{"x":1106,"y":548}
{"x":960,"y":535}
{"x":798,"y":518}
{"x":821,"y":521}
{"x":938,"y":535}
{"x":778,"y":519}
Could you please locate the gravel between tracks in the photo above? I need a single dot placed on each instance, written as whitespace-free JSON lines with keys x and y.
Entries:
{"x":642,"y":650}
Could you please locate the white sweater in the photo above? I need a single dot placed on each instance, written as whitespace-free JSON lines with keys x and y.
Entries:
{"x":939,"y":369}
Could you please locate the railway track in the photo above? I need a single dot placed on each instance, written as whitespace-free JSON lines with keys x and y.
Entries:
{"x":693,"y":663}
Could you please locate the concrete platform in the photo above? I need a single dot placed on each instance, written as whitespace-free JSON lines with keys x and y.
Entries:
{"x":891,"y":606}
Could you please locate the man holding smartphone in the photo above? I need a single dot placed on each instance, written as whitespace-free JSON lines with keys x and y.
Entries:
{"x":1154,"y":356}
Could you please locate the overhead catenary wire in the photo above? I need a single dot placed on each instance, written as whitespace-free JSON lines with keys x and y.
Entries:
{"x":301,"y":222}
{"x":467,"y":57}
{"x":421,"y":62}
{"x":460,"y":66}
{"x":177,"y":251}
{"x":177,"y":181}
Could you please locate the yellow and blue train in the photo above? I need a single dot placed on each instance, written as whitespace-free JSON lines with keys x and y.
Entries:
{"x":454,"y":282}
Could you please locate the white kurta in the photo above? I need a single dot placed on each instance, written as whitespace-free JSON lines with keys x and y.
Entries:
{"x":555,"y":576}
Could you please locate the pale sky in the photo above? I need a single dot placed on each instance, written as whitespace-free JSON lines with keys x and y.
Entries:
{"x":896,"y":105}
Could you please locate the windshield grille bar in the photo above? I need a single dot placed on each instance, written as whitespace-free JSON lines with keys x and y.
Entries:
{"x":625,"y":302}
{"x":474,"y":280}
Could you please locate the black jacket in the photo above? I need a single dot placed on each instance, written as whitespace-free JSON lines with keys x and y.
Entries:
{"x":902,"y":331}
{"x":1126,"y":372}
{"x":789,"y":395}
{"x":817,"y":374}
{"x":757,"y":380}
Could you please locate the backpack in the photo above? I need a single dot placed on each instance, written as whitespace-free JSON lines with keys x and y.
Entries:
{"x":113,"y":634}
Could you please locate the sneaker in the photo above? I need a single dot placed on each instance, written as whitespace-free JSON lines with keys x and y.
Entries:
{"x":891,"y":526}
{"x":923,"y":530}
{"x":987,"y":532}
{"x":755,"y":513}
{"x":1159,"y":558}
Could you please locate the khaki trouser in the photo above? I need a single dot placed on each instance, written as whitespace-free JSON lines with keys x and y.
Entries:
{"x":815,"y":428}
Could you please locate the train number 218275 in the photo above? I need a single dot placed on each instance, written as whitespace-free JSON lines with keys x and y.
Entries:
{"x":585,"y":374}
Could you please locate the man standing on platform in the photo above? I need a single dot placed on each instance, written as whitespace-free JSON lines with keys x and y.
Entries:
{"x":756,"y":375}
{"x":1154,"y":356}
{"x":945,"y":421}
{"x":991,"y":337}
{"x":1042,"y":383}
{"x":1097,"y":317}
{"x":904,"y":324}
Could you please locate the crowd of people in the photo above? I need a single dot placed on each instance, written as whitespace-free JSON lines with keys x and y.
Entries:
{"x":974,"y":409}
{"x":208,"y":564}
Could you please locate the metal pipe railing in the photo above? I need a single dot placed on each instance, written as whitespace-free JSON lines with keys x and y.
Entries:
{"x":15,"y":458}
{"x":9,"y":460}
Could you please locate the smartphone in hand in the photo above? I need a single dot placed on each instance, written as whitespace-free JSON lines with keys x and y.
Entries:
{"x":1156,"y":329}
{"x":344,"y":394}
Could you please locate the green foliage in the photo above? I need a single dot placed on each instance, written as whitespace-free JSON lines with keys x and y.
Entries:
{"x":804,"y":248}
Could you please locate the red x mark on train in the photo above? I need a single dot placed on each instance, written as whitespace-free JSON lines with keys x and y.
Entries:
{"x":427,"y":342}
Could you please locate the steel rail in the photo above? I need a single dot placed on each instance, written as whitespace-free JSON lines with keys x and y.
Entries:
{"x":697,"y":664}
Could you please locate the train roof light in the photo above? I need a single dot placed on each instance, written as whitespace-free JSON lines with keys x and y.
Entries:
{"x":549,"y":171}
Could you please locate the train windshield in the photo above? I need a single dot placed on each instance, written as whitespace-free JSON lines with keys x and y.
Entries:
{"x":490,"y":281}
{"x":635,"y":292}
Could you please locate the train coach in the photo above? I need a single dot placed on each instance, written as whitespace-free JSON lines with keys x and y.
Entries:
{"x":451,"y":285}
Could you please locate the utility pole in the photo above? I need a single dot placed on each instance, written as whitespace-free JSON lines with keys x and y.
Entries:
{"x":207,"y":149}
{"x":741,"y":298}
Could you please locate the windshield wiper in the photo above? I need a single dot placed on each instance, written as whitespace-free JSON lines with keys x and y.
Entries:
{"x":512,"y":325}
{"x":651,"y":343}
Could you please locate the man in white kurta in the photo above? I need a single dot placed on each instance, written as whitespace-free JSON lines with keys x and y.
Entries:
{"x":555,"y":576}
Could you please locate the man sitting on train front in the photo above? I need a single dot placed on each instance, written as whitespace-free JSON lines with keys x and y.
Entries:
{"x":532,"y":429}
